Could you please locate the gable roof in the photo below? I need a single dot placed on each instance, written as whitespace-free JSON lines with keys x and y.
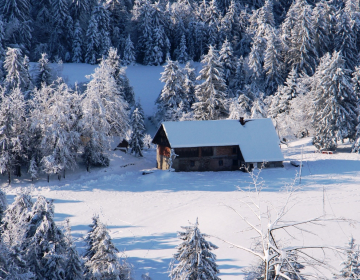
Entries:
{"x":257,"y":139}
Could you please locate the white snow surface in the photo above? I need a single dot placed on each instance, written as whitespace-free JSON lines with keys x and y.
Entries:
{"x":144,"y":212}
{"x":257,"y":139}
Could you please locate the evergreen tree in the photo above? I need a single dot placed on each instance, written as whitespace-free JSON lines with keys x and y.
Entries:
{"x":227,"y":59}
{"x":3,"y":206}
{"x":14,"y":68}
{"x":62,"y":24}
{"x":44,"y":246}
{"x":182,"y":56}
{"x":13,"y":132}
{"x":93,"y":41}
{"x":211,"y":93}
{"x":129,"y":52}
{"x":351,"y":266}
{"x":2,"y":38}
{"x":300,"y":47}
{"x":273,"y":64}
{"x":345,"y":40}
{"x":101,"y":261}
{"x":194,"y":259}
{"x":16,"y":13}
{"x":44,"y":74}
{"x":16,"y":219}
{"x":74,"y":266}
{"x":172,"y":93}
{"x":77,"y":39}
{"x":138,"y":128}
{"x":335,"y":112}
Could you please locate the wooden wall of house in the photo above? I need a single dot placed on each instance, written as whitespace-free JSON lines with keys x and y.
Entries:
{"x":162,"y":157}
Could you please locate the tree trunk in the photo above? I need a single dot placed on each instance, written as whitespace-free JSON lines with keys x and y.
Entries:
{"x":88,"y":168}
{"x":64,"y":173}
{"x":59,"y":177}
{"x":48,"y":178}
{"x":9,"y":174}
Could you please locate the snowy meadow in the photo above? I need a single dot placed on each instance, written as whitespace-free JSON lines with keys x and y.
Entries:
{"x":144,"y":208}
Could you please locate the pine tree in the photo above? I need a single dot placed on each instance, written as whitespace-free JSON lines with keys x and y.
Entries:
{"x":194,"y":259}
{"x":136,"y":142}
{"x":16,"y":219}
{"x":74,"y":266}
{"x":182,"y":56}
{"x":77,"y":39}
{"x":14,"y":69}
{"x":61,"y":24}
{"x":172,"y":93}
{"x":227,"y":59}
{"x":2,"y":38}
{"x":345,"y":40}
{"x":44,"y":74}
{"x":300,"y":47}
{"x":335,"y":112}
{"x":101,"y":261}
{"x":3,"y":206}
{"x":13,"y":132}
{"x":240,"y":107}
{"x":93,"y":41}
{"x":273,"y":64}
{"x":211,"y":93}
{"x":44,"y":247}
{"x":129,"y":52}
{"x":351,"y":266}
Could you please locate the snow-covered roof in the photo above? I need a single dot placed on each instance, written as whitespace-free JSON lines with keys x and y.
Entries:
{"x":257,"y":139}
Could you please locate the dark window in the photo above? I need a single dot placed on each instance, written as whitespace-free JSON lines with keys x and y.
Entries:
{"x":234,"y":150}
{"x":187,"y":152}
{"x":235,"y":162}
{"x":192,"y":163}
{"x":207,"y":152}
{"x":221,"y":163}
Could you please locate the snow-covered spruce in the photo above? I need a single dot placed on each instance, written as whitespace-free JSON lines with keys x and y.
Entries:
{"x":129,"y":52}
{"x":101,"y":261}
{"x":212,"y":92}
{"x":136,"y":141}
{"x":194,"y":259}
{"x":351,"y":266}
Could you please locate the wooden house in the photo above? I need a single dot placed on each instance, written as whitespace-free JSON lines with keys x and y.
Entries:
{"x":218,"y":145}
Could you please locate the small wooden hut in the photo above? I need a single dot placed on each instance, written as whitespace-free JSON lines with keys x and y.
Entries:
{"x":218,"y":145}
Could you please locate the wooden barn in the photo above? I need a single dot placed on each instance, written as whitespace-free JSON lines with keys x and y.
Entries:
{"x":218,"y":145}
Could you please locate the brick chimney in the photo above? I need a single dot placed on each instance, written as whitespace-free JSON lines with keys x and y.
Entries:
{"x":242,"y":121}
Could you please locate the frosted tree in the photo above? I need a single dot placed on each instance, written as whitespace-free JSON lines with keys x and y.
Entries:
{"x":172,"y":93}
{"x":280,"y":102}
{"x":350,"y":266}
{"x":335,"y":114}
{"x":104,"y":114}
{"x":74,"y":267}
{"x":273,"y":64}
{"x":17,"y":14}
{"x":228,"y":61}
{"x":3,"y":205}
{"x":13,"y":127}
{"x":194,"y":259}
{"x":129,"y":52}
{"x":14,"y":69}
{"x":77,"y":43}
{"x":258,"y":109}
{"x":44,"y":246}
{"x":62,"y":25}
{"x":345,"y":40}
{"x":101,"y":261}
{"x":16,"y":219}
{"x":238,"y":82}
{"x":93,"y":41}
{"x":44,"y":72}
{"x":2,"y":38}
{"x":182,"y":56}
{"x":301,"y":53}
{"x":211,"y":93}
{"x":231,"y":23}
{"x":136,"y":141}
{"x":240,"y":107}
{"x":60,"y":141}
{"x":119,"y":74}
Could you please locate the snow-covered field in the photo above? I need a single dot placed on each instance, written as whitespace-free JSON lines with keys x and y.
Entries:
{"x":144,"y":212}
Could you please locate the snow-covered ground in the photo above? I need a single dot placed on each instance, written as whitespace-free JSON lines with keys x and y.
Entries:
{"x":144,"y":211}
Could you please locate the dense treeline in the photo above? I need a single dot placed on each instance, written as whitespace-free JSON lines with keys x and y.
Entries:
{"x":46,"y":129}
